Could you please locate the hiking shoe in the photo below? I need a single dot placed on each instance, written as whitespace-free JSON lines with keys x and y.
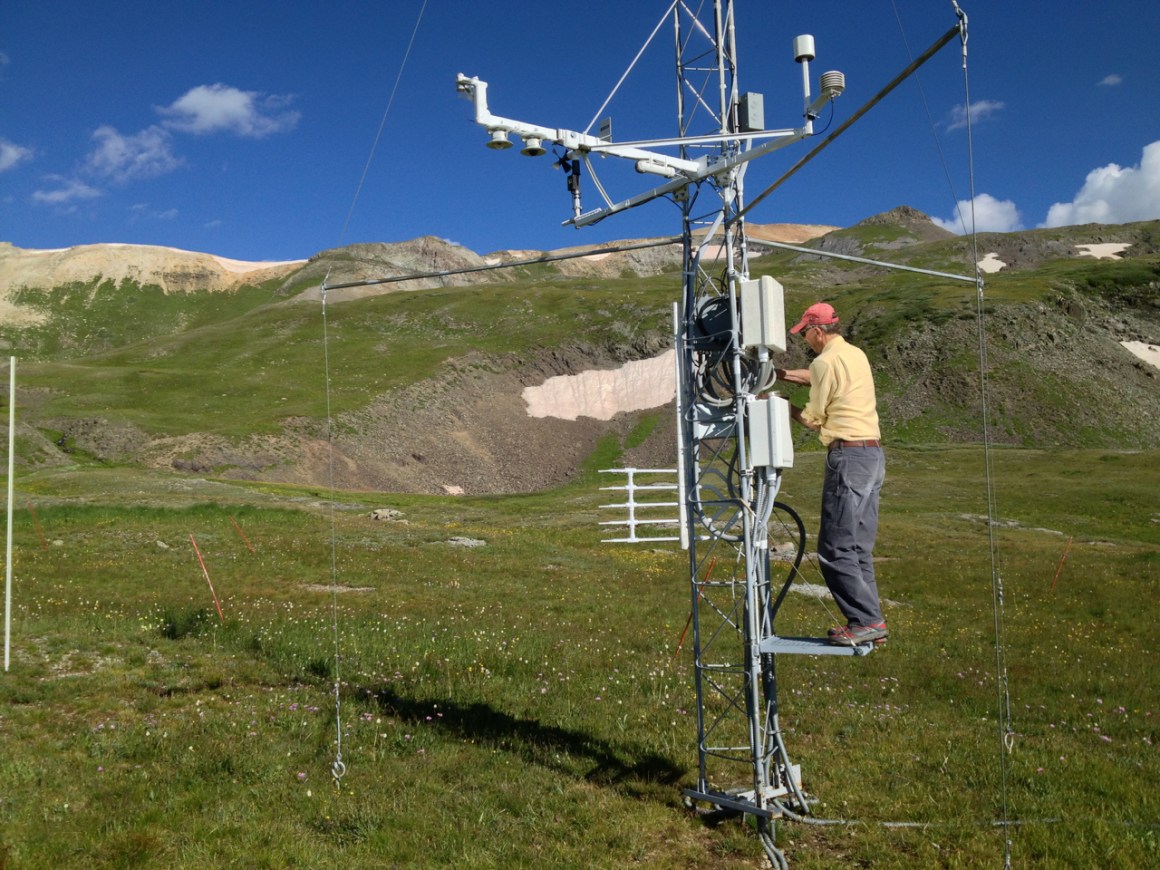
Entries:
{"x":841,"y":629}
{"x":854,"y":635}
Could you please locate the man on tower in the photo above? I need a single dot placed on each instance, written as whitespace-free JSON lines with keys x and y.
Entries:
{"x":842,"y":408}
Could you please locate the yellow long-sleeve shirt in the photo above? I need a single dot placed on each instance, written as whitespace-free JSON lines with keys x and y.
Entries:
{"x":842,"y":401}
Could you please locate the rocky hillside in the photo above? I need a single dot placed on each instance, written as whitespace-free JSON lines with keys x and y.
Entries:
{"x":430,"y":387}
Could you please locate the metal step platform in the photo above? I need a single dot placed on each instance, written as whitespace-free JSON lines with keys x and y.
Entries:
{"x":812,"y":646}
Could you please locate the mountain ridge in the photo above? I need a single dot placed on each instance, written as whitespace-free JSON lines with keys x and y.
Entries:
{"x":179,"y":270}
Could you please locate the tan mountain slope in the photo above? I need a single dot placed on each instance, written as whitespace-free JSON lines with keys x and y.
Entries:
{"x":171,"y":269}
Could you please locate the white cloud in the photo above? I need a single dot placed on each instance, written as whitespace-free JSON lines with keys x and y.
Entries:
{"x":1112,"y":80}
{"x":65,"y":192}
{"x":981,"y":110}
{"x":122,"y":158}
{"x":991,"y":216}
{"x":210,"y":108}
{"x":11,"y":154}
{"x":1114,"y":195}
{"x":143,"y":211}
{"x":147,"y":154}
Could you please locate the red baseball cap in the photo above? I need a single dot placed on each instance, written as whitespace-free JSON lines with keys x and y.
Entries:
{"x":818,"y":314}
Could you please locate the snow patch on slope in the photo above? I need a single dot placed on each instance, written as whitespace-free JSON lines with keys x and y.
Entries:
{"x":602,"y":394}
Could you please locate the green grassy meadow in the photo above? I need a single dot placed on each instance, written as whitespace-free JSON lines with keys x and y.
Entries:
{"x":510,"y":690}
{"x":522,"y":702}
{"x":247,"y":365}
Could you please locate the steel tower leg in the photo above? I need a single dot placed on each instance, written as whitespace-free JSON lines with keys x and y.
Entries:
{"x":741,"y":758}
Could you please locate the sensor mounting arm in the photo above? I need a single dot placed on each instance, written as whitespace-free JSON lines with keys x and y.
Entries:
{"x":476,"y":90}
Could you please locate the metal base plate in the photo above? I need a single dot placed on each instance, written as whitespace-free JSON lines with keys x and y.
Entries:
{"x":734,"y":803}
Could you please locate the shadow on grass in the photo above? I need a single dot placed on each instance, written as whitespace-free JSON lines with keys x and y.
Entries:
{"x":622,"y":766}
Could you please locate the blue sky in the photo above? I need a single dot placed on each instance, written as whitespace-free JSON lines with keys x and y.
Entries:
{"x":243,"y":129}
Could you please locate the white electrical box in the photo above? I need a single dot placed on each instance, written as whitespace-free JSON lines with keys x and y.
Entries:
{"x":751,"y":113}
{"x":763,"y":314}
{"x":770,"y":440}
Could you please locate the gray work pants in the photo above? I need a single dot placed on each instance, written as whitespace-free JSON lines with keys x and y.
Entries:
{"x":854,"y":478}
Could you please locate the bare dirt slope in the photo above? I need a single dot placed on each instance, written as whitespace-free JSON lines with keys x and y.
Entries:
{"x":467,"y":430}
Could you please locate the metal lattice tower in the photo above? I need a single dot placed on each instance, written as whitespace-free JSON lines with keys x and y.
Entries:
{"x":734,"y":443}
{"x":730,"y":481}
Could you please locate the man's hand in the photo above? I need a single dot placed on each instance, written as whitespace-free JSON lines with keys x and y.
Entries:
{"x":795,"y":413}
{"x":794,"y":376}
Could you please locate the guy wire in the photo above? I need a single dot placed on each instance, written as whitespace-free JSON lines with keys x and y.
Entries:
{"x":382,"y":124}
{"x":1006,"y":734}
{"x":930,"y":119}
{"x":338,"y":768}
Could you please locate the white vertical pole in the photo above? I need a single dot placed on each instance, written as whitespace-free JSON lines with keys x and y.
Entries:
{"x":11,"y":476}
{"x":681,"y":458}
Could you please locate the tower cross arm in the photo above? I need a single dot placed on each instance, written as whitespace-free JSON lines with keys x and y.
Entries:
{"x":474,"y":89}
{"x":718,"y":164}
